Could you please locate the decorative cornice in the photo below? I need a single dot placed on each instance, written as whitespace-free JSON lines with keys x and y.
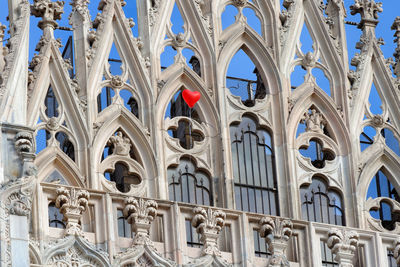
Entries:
{"x":72,"y":203}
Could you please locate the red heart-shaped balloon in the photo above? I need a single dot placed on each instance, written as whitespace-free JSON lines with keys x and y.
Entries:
{"x":190,"y":97}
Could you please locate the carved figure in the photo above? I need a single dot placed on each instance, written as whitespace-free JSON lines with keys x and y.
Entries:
{"x":314,"y":121}
{"x":121,"y":144}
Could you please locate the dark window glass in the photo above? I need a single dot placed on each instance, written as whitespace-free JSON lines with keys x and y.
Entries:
{"x":104,"y":99}
{"x":367,"y":137}
{"x":187,"y":184}
{"x":317,"y":154}
{"x":327,"y":256}
{"x":184,"y":132}
{"x":253,"y":168}
{"x":391,"y":141}
{"x":66,"y":145}
{"x":391,"y":259}
{"x":319,"y":204}
{"x":260,"y":246}
{"x":192,"y":237}
{"x":51,"y":103}
{"x":55,"y":217}
{"x":124,"y":228}
{"x":380,"y":186}
{"x":122,"y":177}
{"x":68,"y":54}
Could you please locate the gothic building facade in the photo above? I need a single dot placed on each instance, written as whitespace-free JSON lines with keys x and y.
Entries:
{"x":104,"y":164}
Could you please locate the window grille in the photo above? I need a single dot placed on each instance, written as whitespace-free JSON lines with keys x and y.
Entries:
{"x":253,"y":168}
{"x":192,"y":237}
{"x":327,"y":256}
{"x":124,"y":228}
{"x":55,"y":217}
{"x":187,"y":184}
{"x":321,"y":205}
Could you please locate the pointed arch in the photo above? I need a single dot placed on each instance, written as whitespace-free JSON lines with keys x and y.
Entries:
{"x":52,"y":158}
{"x":90,"y":254}
{"x":255,"y":48}
{"x":184,"y":76}
{"x":53,"y":72}
{"x":386,"y":160}
{"x":318,"y":98}
{"x":137,"y":134}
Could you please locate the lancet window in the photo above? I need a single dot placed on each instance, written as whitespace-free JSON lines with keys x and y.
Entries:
{"x":253,"y":168}
{"x":185,"y":131}
{"x":319,"y":204}
{"x":188,"y":184}
{"x":382,"y":189}
{"x":327,"y":256}
{"x":192,"y":237}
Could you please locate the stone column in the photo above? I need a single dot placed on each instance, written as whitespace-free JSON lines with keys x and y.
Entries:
{"x":277,"y":233}
{"x":72,"y":203}
{"x":343,"y":244}
{"x":208,"y":224}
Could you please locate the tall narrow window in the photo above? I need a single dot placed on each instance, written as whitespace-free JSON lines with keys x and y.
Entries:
{"x":188,"y":184}
{"x":253,"y":168}
{"x":380,"y":186}
{"x":327,"y":256}
{"x":51,"y":104}
{"x":55,"y":217}
{"x":260,"y":246}
{"x":192,"y":237}
{"x":124,"y":228}
{"x":318,"y":204}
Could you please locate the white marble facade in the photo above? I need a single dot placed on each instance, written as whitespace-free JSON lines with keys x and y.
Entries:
{"x":72,"y":176}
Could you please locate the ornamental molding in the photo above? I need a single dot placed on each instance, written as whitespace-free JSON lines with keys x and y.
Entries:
{"x":375,"y":204}
{"x":277,"y":232}
{"x":343,"y":244}
{"x":72,"y":251}
{"x":72,"y":203}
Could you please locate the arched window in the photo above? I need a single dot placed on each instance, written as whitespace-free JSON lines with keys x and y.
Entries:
{"x":380,"y":186}
{"x":55,"y":217}
{"x":318,"y":204}
{"x":188,"y":184}
{"x":253,"y":168}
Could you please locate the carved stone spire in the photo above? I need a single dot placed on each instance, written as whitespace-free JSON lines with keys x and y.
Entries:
{"x":208,"y":224}
{"x":343,"y":244}
{"x":72,"y":203}
{"x":140,"y":214}
{"x":49,"y":11}
{"x":277,"y":233}
{"x":396,"y":250}
{"x":368,"y":10}
{"x":396,"y":28}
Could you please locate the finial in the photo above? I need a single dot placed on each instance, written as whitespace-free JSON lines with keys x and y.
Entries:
{"x":368,"y":10}
{"x":49,"y":11}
